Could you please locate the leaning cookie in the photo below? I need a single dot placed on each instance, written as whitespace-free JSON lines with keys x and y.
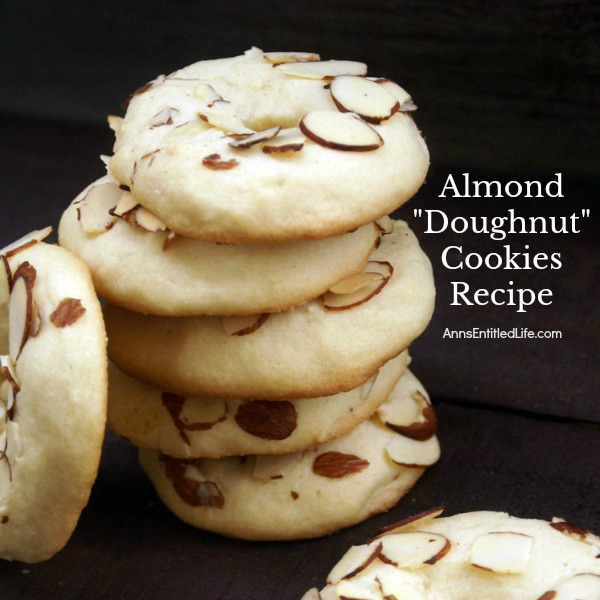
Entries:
{"x":484,"y":554}
{"x":137,"y":264}
{"x":269,"y":147}
{"x":53,"y":397}
{"x":329,"y":345}
{"x":304,"y":494}
{"x":199,"y":427}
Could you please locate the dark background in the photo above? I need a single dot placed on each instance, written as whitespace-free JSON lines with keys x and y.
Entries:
{"x":506,"y":91}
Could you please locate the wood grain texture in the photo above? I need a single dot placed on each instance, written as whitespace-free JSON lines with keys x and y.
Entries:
{"x":509,"y":86}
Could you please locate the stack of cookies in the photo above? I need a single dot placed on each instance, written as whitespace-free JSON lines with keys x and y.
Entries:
{"x":259,"y":301}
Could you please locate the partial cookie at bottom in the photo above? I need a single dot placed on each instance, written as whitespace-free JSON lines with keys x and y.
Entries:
{"x":482,"y":554}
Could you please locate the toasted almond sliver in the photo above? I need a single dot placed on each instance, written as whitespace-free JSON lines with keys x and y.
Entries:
{"x":502,"y":552}
{"x":364,"y":97}
{"x":242,"y":324}
{"x":255,"y":138}
{"x":26,"y":241}
{"x":368,"y":284}
{"x":95,"y":211}
{"x":322,"y":69}
{"x":411,"y":453}
{"x":126,"y":203}
{"x":356,"y":559}
{"x":340,"y":131}
{"x":278,"y":58}
{"x":355,"y":282}
{"x":148,"y":220}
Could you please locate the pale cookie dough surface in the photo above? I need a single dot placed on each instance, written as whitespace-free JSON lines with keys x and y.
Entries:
{"x":163,"y":149}
{"x":518,"y":559}
{"x":191,"y":427}
{"x":307,"y":351}
{"x":293,"y":496}
{"x":53,"y":426}
{"x":145,"y":272}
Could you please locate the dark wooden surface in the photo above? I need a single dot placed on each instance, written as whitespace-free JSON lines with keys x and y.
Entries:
{"x":506,"y":91}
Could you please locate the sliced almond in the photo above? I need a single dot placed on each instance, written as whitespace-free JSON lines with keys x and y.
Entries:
{"x":356,"y":559}
{"x":575,"y":531}
{"x":190,"y":485}
{"x":355,"y":282}
{"x":278,"y":58}
{"x":364,"y":97}
{"x":322,"y":69}
{"x":403,"y":97}
{"x":414,"y":417}
{"x":9,"y":372}
{"x":312,"y":594}
{"x":243,"y":324}
{"x":169,"y":239}
{"x":359,"y":288}
{"x":274,"y":466}
{"x":20,"y":309}
{"x":163,"y":117}
{"x":207,"y":93}
{"x":207,"y":492}
{"x":340,"y":131}
{"x":95,"y":211}
{"x":36,"y":319}
{"x":584,"y":586}
{"x":255,"y":138}
{"x":148,"y":220}
{"x":5,"y":280}
{"x":196,"y":414}
{"x":114,"y":122}
{"x":502,"y":552}
{"x":216,"y":163}
{"x":221,"y":114}
{"x":413,"y":549}
{"x":67,"y":312}
{"x":420,"y":518}
{"x":385,"y":225}
{"x":125,"y":204}
{"x":287,"y":140}
{"x":336,"y":465}
{"x":10,"y":402}
{"x":394,"y":585}
{"x":26,"y":241}
{"x":362,"y":587}
{"x":407,"y":452}
{"x":268,"y":420}
{"x":185,"y":130}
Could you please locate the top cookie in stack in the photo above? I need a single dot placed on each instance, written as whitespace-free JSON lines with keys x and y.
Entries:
{"x":243,"y":243}
{"x":269,"y":147}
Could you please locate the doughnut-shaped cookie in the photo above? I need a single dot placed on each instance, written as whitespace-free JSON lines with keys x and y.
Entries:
{"x":153,"y":272}
{"x":483,"y":554}
{"x":197,"y":427}
{"x":300,"y":495}
{"x":52,"y":397}
{"x":318,"y":349}
{"x":269,"y":147}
